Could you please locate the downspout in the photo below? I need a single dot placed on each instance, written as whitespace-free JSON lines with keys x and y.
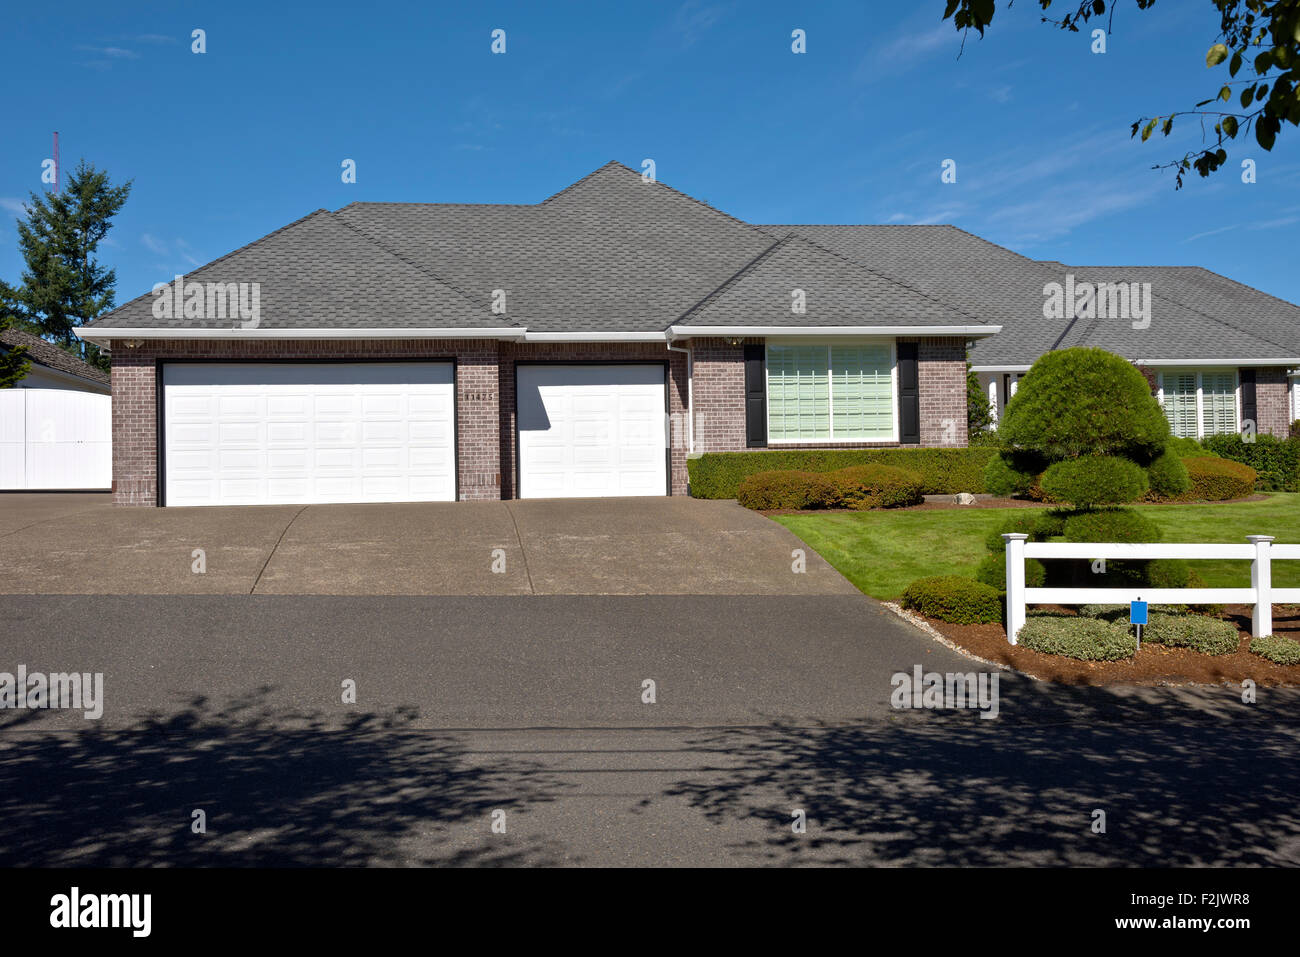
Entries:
{"x":690,"y":392}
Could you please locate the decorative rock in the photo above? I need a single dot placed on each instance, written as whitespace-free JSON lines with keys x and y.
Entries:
{"x":964,"y":498}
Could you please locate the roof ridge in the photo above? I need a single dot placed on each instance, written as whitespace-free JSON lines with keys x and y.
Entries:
{"x":1243,"y":285}
{"x":239,"y":249}
{"x":414,"y":265}
{"x":578,"y":182}
{"x":734,"y":278}
{"x":888,"y":278}
{"x":380,"y":202}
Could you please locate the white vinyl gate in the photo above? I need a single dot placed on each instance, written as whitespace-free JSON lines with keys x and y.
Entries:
{"x":55,"y":439}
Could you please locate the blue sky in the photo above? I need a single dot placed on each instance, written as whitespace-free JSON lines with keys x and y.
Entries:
{"x":229,"y":145}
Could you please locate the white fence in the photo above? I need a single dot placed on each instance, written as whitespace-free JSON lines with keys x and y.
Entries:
{"x":1261,"y":552}
{"x":55,"y":438}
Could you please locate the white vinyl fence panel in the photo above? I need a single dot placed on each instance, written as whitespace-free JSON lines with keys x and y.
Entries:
{"x":55,"y":439}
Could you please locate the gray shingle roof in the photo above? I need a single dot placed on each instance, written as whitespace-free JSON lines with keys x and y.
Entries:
{"x":51,"y":356}
{"x":611,"y":253}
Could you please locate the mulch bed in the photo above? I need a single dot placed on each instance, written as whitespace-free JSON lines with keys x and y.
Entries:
{"x":979,"y":504}
{"x":1153,"y":664}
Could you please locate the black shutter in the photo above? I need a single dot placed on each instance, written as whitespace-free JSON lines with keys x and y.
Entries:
{"x":909,"y":394}
{"x":755,"y":398}
{"x":1248,"y":397}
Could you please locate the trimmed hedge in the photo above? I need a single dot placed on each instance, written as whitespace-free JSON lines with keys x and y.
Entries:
{"x":943,"y":471}
{"x":1277,"y":649}
{"x":1167,"y":475}
{"x":1092,"y":480}
{"x":772,"y":490}
{"x":1087,"y":639}
{"x":993,"y":571}
{"x":1003,"y":479}
{"x":1276,"y":461}
{"x":1110,"y":525}
{"x":1216,"y":480}
{"x":955,"y":599}
{"x":1039,"y":526}
{"x":862,"y":487}
{"x":1209,"y":636}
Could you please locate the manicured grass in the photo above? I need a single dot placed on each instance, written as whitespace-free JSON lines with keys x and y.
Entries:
{"x":882,"y":551}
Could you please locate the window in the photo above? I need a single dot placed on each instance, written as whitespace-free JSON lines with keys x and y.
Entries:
{"x":830,"y":393}
{"x":1200,"y":403}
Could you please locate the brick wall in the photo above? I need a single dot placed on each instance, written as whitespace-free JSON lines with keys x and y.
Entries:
{"x":513,"y":352}
{"x":135,"y":435}
{"x":719,"y":394}
{"x":1272,"y":401}
{"x":942,"y":369}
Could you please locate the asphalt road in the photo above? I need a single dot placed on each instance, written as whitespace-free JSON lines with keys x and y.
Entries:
{"x":532,"y":706}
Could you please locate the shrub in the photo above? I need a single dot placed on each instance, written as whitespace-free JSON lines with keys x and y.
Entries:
{"x":944,"y":471}
{"x":955,"y":599}
{"x":772,"y":490}
{"x":1110,"y":525}
{"x":1084,"y":401}
{"x":1167,"y":475}
{"x":1088,"y":639}
{"x":1216,"y":480}
{"x":1276,"y":461}
{"x":1004,"y":480}
{"x":1114,"y":613}
{"x":1277,"y":649}
{"x":992,"y":571}
{"x":1185,"y":448}
{"x":1095,"y":480}
{"x":1209,"y":636}
{"x":876,"y":486}
{"x":1026,"y":524}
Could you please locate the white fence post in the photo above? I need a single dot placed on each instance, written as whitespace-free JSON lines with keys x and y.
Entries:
{"x":1261,"y":579}
{"x":1015,"y":583}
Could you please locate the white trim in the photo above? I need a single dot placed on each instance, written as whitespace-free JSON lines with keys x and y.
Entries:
{"x":999,"y":368}
{"x":596,"y":337}
{"x":698,"y":331}
{"x":1214,"y":363}
{"x":1198,"y":371}
{"x":105,"y":334}
{"x":895,"y":402}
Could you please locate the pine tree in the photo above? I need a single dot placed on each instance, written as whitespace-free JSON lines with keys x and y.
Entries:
{"x":64,"y":286}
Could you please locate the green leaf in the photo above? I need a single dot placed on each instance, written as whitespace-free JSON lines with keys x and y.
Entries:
{"x":1247,"y":96}
{"x":1218,"y":53}
{"x":1266,"y":132}
{"x":1235,"y":64}
{"x":1264,"y":62}
{"x":1146,"y":130}
{"x":1230,"y":125}
{"x":1225,"y":94}
{"x":1168,"y":126}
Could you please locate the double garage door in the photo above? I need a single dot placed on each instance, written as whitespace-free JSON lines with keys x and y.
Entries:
{"x":273,"y":433}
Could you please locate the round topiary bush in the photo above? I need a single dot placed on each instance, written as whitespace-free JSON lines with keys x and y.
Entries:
{"x":993,"y":571}
{"x":1003,"y":479}
{"x":1093,"y":480}
{"x":1110,"y":525}
{"x":1026,"y":524}
{"x":1277,"y":649}
{"x":1088,"y":639}
{"x":1167,"y":476}
{"x":787,"y":489}
{"x":877,"y":486}
{"x":955,"y":599}
{"x":1217,"y":480}
{"x":1085,"y":401}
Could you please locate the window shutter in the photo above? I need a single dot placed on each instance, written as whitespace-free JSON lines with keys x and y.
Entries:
{"x":1248,"y":397}
{"x":755,"y":398}
{"x":1218,"y":403}
{"x":1180,"y":403}
{"x":909,"y":394}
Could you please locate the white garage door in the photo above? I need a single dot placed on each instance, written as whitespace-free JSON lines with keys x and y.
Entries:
{"x":55,"y":439}
{"x":591,"y":430}
{"x":268,"y":433}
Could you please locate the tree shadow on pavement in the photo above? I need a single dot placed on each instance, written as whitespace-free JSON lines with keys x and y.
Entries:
{"x":276,"y":790}
{"x":1199,"y":780}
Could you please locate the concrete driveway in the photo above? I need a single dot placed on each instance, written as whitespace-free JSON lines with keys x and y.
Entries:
{"x":81,"y":544}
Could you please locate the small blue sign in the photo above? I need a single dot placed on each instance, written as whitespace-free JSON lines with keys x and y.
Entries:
{"x":1137,"y":612}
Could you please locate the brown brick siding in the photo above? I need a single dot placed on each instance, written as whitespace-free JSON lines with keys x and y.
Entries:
{"x":485,"y":396}
{"x":1272,"y":401}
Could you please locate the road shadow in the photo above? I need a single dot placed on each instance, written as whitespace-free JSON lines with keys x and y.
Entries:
{"x":277,"y":790}
{"x":1182,"y":782}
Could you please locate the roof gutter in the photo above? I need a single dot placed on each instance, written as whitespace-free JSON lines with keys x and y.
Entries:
{"x":102,"y":335}
{"x":595,"y":337}
{"x":973,"y":332}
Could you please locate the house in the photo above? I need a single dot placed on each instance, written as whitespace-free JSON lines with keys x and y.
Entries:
{"x":585,"y":345}
{"x":56,"y":422}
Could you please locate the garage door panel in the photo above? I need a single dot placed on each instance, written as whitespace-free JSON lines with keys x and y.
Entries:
{"x":268,"y":433}
{"x":591,"y":430}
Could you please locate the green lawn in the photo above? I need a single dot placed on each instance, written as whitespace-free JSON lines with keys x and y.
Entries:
{"x":882,"y":551}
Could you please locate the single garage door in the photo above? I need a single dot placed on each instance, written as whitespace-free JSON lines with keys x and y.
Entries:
{"x":286,"y":433}
{"x":592,"y":430}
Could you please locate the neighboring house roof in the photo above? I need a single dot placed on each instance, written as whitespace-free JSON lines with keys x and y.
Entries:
{"x":51,"y":356}
{"x":613,"y":255}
